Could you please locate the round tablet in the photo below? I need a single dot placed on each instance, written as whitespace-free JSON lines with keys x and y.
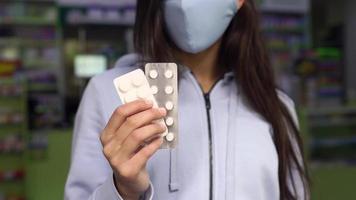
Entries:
{"x":169,"y":121}
{"x":130,"y":97}
{"x":170,"y":137}
{"x":168,"y":74}
{"x":137,"y":81}
{"x":124,"y":86}
{"x":169,"y":105}
{"x":142,"y":93}
{"x":169,"y":90}
{"x":153,"y":74}
{"x":154,"y":89}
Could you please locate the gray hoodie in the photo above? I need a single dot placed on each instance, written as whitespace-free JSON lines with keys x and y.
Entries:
{"x":225,"y":149}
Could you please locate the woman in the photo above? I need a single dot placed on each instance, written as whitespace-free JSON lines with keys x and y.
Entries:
{"x":238,"y":135}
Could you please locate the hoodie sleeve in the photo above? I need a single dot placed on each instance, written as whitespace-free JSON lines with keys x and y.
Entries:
{"x":108,"y":191}
{"x":90,"y":175}
{"x":295,"y":177}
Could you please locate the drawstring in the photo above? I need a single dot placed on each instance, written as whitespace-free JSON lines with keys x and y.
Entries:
{"x":230,"y":149}
{"x":173,"y":170}
{"x":173,"y":154}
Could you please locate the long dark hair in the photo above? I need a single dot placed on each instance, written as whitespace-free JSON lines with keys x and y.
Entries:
{"x":243,"y":48}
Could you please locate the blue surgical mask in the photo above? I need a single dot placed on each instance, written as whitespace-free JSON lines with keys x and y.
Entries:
{"x":195,"y":25}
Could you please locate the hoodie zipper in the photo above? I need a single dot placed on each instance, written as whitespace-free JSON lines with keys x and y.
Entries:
{"x":208,"y":108}
{"x":207,"y":100}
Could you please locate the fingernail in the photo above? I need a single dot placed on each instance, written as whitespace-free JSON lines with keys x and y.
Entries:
{"x":163,"y":126}
{"x":162,"y":111}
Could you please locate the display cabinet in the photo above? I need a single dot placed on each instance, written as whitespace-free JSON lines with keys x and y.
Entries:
{"x":13,"y":138}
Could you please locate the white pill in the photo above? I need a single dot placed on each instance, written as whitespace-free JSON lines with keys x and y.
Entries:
{"x":137,"y":81}
{"x":169,"y":105}
{"x":169,"y":121}
{"x":154,"y":89}
{"x":170,"y":137}
{"x":142,"y":93}
{"x":169,"y":90}
{"x":168,"y":74}
{"x":124,"y":86}
{"x":130,"y":97}
{"x":153,"y":74}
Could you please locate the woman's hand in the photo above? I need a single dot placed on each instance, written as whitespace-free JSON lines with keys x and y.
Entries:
{"x":129,"y":139}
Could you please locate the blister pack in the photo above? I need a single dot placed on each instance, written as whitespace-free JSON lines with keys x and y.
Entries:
{"x":158,"y":85}
{"x":163,"y":79}
{"x":133,"y":86}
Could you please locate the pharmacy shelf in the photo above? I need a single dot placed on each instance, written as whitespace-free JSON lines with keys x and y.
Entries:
{"x":331,"y":110}
{"x":40,"y":64}
{"x":30,"y":1}
{"x":38,"y":49}
{"x":27,"y":21}
{"x":338,"y":122}
{"x":27,"y":42}
{"x":103,"y":22}
{"x":283,"y":9}
{"x":13,"y":136}
{"x":331,"y":135}
{"x":286,"y":33}
{"x":123,"y":15}
{"x":285,"y":30}
{"x":102,"y":3}
{"x":294,"y":6}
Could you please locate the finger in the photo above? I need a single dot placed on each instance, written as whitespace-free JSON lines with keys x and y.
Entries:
{"x":126,"y":110}
{"x":120,"y":115}
{"x":141,"y":136}
{"x":113,"y":154}
{"x":139,"y":160}
{"x":139,"y":120}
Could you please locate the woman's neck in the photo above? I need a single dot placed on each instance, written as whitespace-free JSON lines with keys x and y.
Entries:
{"x":204,"y":65}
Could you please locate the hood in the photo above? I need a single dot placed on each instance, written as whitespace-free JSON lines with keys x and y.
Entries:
{"x":129,"y":60}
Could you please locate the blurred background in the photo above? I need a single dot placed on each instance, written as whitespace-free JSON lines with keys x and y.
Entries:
{"x":49,"y":49}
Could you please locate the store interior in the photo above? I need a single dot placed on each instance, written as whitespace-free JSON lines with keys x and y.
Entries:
{"x":49,"y":50}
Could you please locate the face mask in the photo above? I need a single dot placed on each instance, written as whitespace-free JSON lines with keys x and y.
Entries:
{"x":195,"y":25}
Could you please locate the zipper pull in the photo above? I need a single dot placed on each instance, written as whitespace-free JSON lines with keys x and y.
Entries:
{"x":207,"y":101}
